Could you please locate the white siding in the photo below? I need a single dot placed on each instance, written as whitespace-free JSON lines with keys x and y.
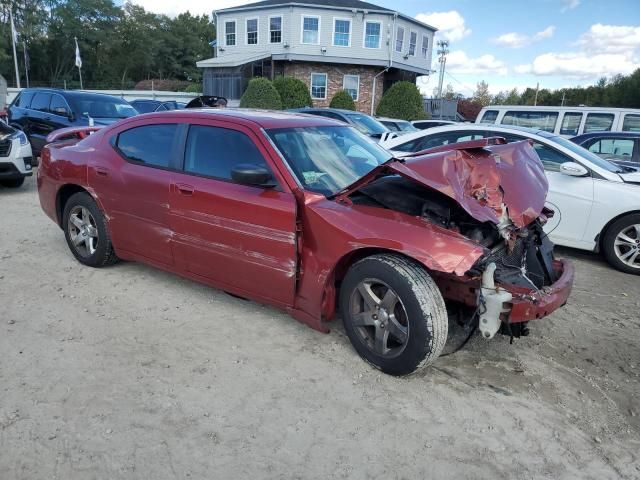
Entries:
{"x":292,"y":35}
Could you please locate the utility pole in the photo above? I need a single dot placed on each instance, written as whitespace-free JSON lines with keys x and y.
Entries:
{"x":563,"y":94}
{"x":443,"y":50}
{"x":535,"y":100}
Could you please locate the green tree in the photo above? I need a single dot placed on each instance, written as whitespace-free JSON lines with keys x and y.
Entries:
{"x":342,"y":99}
{"x":261,"y":93}
{"x":293,"y":92}
{"x":482,"y":96}
{"x":402,"y":100}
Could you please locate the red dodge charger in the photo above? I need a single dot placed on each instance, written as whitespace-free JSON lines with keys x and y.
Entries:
{"x":306,"y":214}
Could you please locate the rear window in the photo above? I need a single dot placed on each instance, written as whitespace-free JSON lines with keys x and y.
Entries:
{"x":598,"y":122}
{"x":541,"y":120}
{"x":570,"y":123}
{"x":631,"y":123}
{"x":149,"y":144}
{"x":489,"y":116}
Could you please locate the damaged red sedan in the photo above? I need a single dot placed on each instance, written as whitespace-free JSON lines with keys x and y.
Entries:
{"x":306,"y":214}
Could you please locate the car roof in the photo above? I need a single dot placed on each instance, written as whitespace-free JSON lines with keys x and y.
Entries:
{"x":387,"y":119}
{"x":344,"y":111}
{"x":587,"y":136}
{"x":71,"y":93}
{"x":263,"y":118}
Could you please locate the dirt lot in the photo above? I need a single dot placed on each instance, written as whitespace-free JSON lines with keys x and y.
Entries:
{"x":129,"y":372}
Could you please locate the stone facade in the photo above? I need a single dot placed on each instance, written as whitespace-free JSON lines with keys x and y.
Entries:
{"x":335,"y":75}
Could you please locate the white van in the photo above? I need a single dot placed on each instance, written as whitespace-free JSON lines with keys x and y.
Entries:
{"x":565,"y":121}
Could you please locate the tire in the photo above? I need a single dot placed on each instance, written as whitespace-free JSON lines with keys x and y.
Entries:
{"x":82,"y":215}
{"x":415,"y":323}
{"x":12,"y":182}
{"x":621,"y":244}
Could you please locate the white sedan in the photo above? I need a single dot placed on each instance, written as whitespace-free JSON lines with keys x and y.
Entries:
{"x":596,"y":203}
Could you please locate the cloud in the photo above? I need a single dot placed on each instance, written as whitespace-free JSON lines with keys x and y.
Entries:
{"x":610,"y":38}
{"x":173,"y":8}
{"x":458,"y":62}
{"x":450,"y":25}
{"x":569,"y":5}
{"x":519,"y":40}
{"x":580,"y":65}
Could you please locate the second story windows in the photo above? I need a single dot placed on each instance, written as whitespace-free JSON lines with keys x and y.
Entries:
{"x":341,"y":32}
{"x":413,"y":40}
{"x":252,"y":31}
{"x":399,"y":39}
{"x":275,"y":29}
{"x":372,"y":34}
{"x":230,"y":33}
{"x":311,"y":30}
{"x":425,"y":46}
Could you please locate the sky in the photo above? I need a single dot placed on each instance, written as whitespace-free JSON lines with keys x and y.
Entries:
{"x":509,"y":43}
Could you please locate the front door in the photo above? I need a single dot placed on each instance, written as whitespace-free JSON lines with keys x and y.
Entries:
{"x":243,"y":238}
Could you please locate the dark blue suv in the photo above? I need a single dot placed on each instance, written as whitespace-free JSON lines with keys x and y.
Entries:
{"x":40,"y":111}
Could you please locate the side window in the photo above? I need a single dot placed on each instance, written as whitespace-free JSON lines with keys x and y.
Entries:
{"x":489,"y":116}
{"x":598,"y":122}
{"x":333,"y":116}
{"x":59,"y":106}
{"x":570,"y":123}
{"x":215,"y":151}
{"x":24,"y":100}
{"x":542,"y":120}
{"x":550,"y":158}
{"x":631,"y":123}
{"x":410,"y":146}
{"x":392,"y":126}
{"x":41,"y":102}
{"x":614,"y":148}
{"x":449,"y":138}
{"x":149,"y":144}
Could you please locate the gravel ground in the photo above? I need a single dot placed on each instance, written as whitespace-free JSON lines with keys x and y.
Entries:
{"x":131,"y":373}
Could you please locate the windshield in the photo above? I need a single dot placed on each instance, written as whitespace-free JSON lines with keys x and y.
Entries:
{"x":366,"y":124}
{"x":327,"y":159}
{"x":406,"y":127}
{"x":584,"y":153}
{"x":97,"y":106}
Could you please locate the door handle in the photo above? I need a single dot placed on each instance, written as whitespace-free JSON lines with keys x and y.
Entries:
{"x":184,"y":189}
{"x":102,"y":171}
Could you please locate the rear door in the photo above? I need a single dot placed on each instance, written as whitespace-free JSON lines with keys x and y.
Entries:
{"x":36,"y":126}
{"x":133,"y":185}
{"x":243,"y":238}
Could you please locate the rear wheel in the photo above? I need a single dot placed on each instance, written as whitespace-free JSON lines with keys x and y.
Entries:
{"x":393,"y":313}
{"x":12,"y":182}
{"x":621,"y":244}
{"x":85,"y":229}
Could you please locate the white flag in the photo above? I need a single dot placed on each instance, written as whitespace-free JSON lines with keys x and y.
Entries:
{"x":14,"y":34}
{"x":78,"y":59}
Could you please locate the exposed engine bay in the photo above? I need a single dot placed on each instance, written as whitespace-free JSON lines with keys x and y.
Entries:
{"x":523,"y":257}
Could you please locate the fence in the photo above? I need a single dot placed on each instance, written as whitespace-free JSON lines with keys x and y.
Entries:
{"x":441,"y":108}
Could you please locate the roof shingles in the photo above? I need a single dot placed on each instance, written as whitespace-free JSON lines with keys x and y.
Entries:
{"x":323,"y":3}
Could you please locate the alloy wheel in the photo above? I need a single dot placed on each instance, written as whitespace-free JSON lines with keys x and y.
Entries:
{"x":379,"y":318}
{"x":83,"y":231}
{"x":627,"y":246}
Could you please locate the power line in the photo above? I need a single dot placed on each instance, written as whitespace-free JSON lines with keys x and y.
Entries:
{"x":461,"y":83}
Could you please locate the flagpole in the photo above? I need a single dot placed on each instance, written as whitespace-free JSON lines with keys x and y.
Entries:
{"x":13,"y":42}
{"x":26,"y":62}
{"x":80,"y":73}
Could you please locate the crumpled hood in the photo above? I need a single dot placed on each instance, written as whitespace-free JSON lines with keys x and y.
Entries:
{"x":484,"y":178}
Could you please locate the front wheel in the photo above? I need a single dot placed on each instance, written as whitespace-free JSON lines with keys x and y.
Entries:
{"x":393,"y":313}
{"x":621,"y":244}
{"x":85,"y":228}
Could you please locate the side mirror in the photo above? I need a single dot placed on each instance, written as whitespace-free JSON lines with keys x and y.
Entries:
{"x":250,"y":174}
{"x":573,"y":169}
